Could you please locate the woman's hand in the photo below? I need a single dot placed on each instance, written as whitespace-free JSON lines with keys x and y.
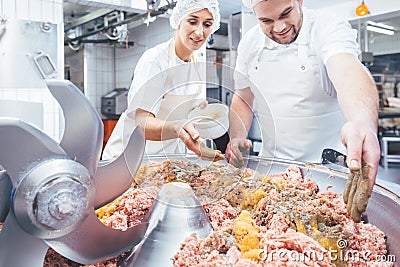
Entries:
{"x":234,"y":151}
{"x":210,"y":154}
{"x":190,"y":137}
{"x":185,"y":131}
{"x":200,"y":104}
{"x":159,"y":130}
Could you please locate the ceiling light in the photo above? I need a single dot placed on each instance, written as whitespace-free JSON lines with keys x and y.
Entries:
{"x":379,"y":30}
{"x":362,"y":9}
{"x":380,"y":25}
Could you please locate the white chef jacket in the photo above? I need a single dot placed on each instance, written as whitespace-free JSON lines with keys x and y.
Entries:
{"x":150,"y":75}
{"x":153,"y":78}
{"x":326,"y":33}
{"x":320,"y":37}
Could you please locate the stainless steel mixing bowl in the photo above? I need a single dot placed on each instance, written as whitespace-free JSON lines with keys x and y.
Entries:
{"x":174,"y":222}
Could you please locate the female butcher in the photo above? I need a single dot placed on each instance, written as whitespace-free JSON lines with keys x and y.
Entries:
{"x":169,"y":81}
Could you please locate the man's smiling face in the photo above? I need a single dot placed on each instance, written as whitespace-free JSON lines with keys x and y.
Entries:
{"x":280,"y":20}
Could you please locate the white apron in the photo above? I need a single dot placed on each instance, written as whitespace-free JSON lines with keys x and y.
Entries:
{"x":172,"y":107}
{"x":303,"y":119}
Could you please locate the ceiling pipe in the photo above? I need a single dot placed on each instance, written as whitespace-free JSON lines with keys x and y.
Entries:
{"x":153,"y":13}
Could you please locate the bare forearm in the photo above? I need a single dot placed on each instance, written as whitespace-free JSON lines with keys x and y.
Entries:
{"x":356,"y":90}
{"x":241,"y":114}
{"x":155,"y":129}
{"x":358,"y":99}
{"x":361,"y":104}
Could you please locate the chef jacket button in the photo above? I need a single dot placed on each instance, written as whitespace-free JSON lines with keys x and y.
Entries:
{"x":303,"y":68}
{"x":256,"y":68}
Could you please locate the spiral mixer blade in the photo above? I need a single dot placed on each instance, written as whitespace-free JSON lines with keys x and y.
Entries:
{"x":49,"y":190}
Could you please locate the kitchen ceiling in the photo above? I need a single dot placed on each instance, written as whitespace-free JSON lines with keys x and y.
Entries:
{"x":321,"y":4}
{"x":75,"y":10}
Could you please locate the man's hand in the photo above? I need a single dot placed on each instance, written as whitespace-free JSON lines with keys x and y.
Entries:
{"x":234,"y":151}
{"x":362,"y":147}
{"x":356,"y":193}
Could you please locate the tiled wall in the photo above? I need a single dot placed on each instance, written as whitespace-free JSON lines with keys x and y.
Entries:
{"x":36,"y":10}
{"x":44,"y":11}
{"x":74,"y":62}
{"x":99,"y":71}
{"x":106,"y":68}
{"x":144,"y":37}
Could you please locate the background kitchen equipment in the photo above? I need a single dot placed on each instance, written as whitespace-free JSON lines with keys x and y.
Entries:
{"x":5,"y":189}
{"x":45,"y":65}
{"x":26,"y":46}
{"x":114,"y":103}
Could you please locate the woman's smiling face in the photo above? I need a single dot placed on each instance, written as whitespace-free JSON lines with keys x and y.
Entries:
{"x":194,"y":30}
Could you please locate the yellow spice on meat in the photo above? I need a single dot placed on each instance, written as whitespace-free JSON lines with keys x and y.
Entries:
{"x":252,"y":198}
{"x":308,"y":226}
{"x":171,"y":178}
{"x":300,"y":225}
{"x":257,"y":195}
{"x":106,"y":211}
{"x":281,"y":184}
{"x":266,"y":179}
{"x":254,"y":254}
{"x":246,"y":232}
{"x":140,"y":173}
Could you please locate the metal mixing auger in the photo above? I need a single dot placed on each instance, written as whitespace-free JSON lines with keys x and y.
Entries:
{"x":49,"y":191}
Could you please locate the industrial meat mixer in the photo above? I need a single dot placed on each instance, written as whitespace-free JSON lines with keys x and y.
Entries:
{"x":49,"y":191}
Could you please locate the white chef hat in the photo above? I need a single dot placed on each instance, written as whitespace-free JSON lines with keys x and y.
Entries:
{"x":185,"y":7}
{"x":251,"y":3}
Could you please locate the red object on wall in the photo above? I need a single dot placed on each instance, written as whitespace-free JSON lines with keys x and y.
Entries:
{"x":108,"y":128}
